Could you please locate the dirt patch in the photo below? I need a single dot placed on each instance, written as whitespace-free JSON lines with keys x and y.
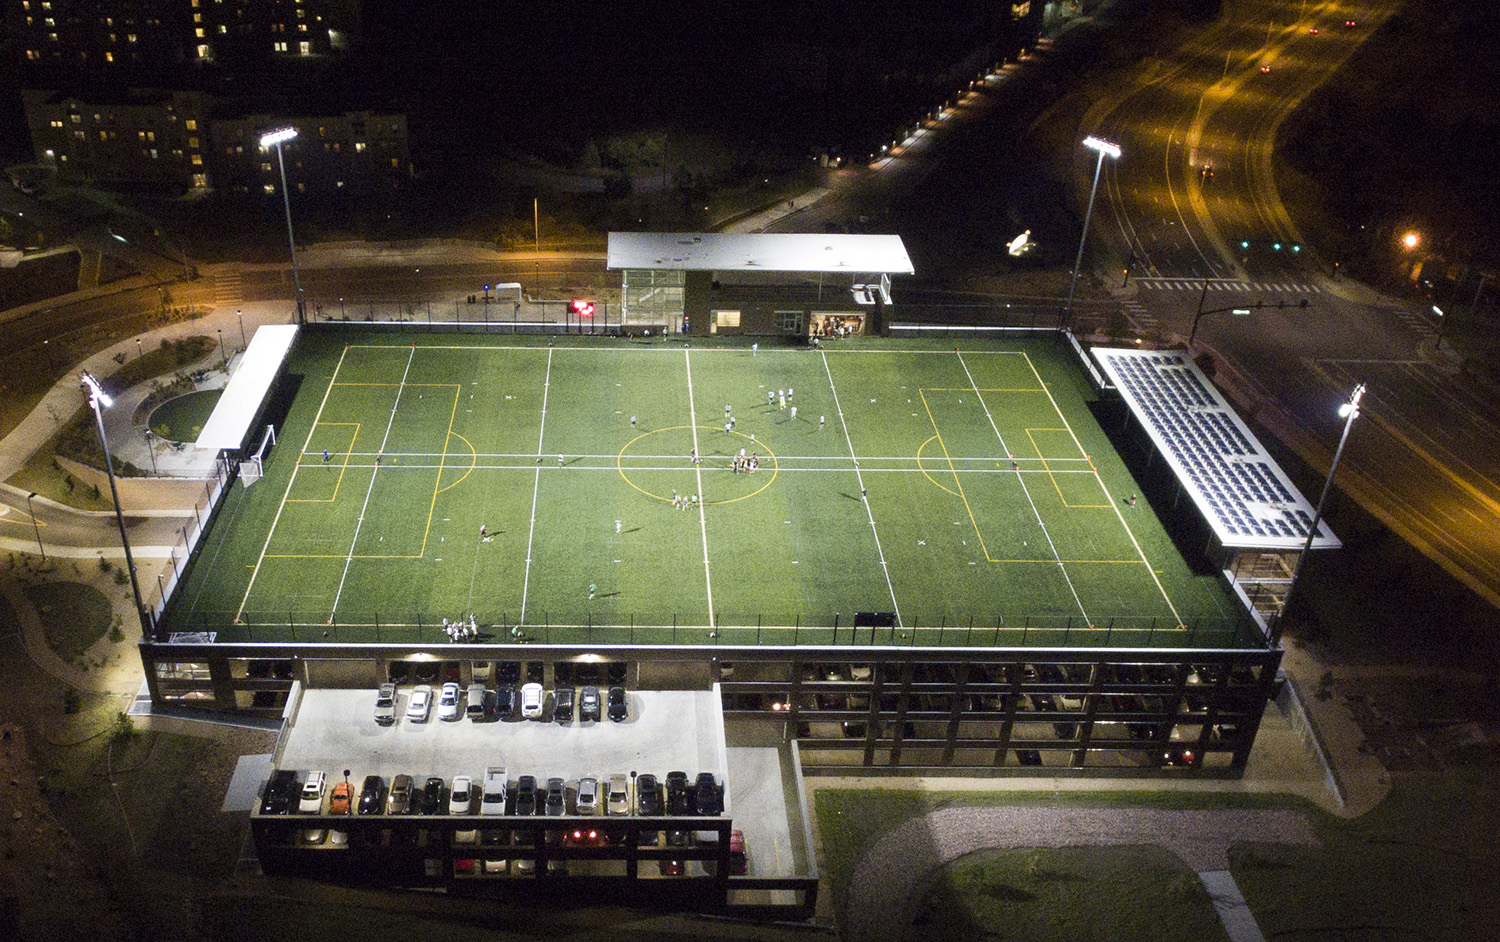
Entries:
{"x":74,"y":616}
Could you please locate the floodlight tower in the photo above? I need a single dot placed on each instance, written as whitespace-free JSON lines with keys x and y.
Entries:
{"x":1349,"y":411}
{"x":1104,"y":149}
{"x":275,"y":139}
{"x":100,"y":400}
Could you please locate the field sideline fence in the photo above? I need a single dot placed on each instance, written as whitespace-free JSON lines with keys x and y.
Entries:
{"x":1032,"y":631}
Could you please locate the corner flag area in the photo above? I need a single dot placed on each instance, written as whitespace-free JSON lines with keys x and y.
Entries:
{"x":592,"y":491}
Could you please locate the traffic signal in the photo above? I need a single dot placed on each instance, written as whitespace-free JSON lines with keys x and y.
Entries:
{"x":583,"y":308}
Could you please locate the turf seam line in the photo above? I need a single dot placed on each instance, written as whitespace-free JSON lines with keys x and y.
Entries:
{"x":708,"y":582}
{"x":290,"y":481}
{"x":360,"y":522}
{"x":864,"y":498}
{"x":536,"y":486}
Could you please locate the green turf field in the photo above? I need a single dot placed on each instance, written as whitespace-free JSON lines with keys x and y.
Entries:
{"x":970,"y":492}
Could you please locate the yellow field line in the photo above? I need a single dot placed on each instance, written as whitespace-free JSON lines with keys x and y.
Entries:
{"x":922,"y":447}
{"x":342,"y":468}
{"x":937,"y":433}
{"x":1107,"y":496}
{"x":436,"y":485}
{"x":472,"y":464}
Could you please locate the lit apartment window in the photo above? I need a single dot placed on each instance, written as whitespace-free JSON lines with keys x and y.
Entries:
{"x":78,"y":134}
{"x":151,"y":136}
{"x":223,"y":29}
{"x":305,"y":48}
{"x":49,"y":21}
{"x":30,"y":21}
{"x":197,"y":17}
{"x":103,"y":135}
{"x":56,"y":122}
{"x":279,"y":47}
{"x":340,"y":184}
{"x":33,"y":54}
{"x":26,"y":5}
{"x":141,"y":135}
{"x":200,"y":179}
{"x":302,"y":188}
{"x":192,"y":142}
{"x":77,"y":118}
{"x":191,"y":124}
{"x":203,"y":52}
{"x":153,"y":153}
{"x":52,"y":37}
{"x":130,"y":37}
{"x":197,"y":160}
{"x":396,"y":162}
{"x":270,"y":188}
{"x":359,"y":147}
{"x":265,"y":168}
{"x":50,"y":153}
{"x":199,"y":32}
{"x":46,"y":4}
{"x":301,"y":13}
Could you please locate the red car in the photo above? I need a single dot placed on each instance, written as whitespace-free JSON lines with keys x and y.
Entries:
{"x":341,"y":799}
{"x":739,"y":861}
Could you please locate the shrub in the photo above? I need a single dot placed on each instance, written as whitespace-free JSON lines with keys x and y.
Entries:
{"x":72,"y":700}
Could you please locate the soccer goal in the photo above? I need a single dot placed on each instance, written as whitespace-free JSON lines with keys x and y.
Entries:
{"x":253,"y":467}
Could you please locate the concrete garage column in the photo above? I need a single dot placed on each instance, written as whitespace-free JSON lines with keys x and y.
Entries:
{"x":697,"y":301}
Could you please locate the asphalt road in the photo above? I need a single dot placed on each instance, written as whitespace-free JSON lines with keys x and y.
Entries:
{"x":1425,"y":457}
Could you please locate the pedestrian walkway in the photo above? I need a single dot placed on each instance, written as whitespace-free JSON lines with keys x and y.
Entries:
{"x":1229,"y":285}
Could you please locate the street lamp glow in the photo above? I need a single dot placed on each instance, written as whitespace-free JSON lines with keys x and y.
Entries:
{"x":96,"y":392}
{"x":1410,"y":240}
{"x":272,"y":138}
{"x":1102,"y":146}
{"x":1350,"y":409}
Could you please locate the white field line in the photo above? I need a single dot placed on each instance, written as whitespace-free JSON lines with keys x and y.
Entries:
{"x":536,"y":486}
{"x":708,"y":581}
{"x":290,"y":481}
{"x":859,"y":477}
{"x":1026,"y":490}
{"x":1107,"y":495}
{"x":359,"y":524}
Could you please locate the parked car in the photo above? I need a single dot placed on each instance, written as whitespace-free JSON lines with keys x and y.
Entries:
{"x":618,"y":797}
{"x":739,"y":860}
{"x":385,"y":704}
{"x":679,"y":801}
{"x":492,"y":798}
{"x":587,"y":801}
{"x":526,"y":795}
{"x":280,"y":792}
{"x":432,"y":796}
{"x":648,"y":795}
{"x":562,"y":704}
{"x":461,"y":796}
{"x":341,"y":799}
{"x":312,"y":793}
{"x":675,"y":868}
{"x":706,"y":796}
{"x":372,"y":795}
{"x":532,"y":696}
{"x":617,"y":708}
{"x":474,"y":702}
{"x":588,"y":705}
{"x":399,"y":799}
{"x":557,"y":797}
{"x":448,"y":706}
{"x":420,"y":703}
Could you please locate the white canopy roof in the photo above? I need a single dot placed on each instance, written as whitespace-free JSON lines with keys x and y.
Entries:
{"x":242,"y":398}
{"x":759,"y":251}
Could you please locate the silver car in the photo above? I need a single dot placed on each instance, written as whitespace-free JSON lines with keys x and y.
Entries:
{"x":385,"y":705}
{"x":587,"y":801}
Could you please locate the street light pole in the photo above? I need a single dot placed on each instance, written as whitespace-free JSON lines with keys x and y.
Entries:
{"x":1350,"y":411}
{"x":275,"y":138}
{"x":36,"y":527}
{"x":1103,"y":148}
{"x":241,"y":315}
{"x":1438,"y":345}
{"x":151,"y":450}
{"x":223,"y":357}
{"x":101,"y":400}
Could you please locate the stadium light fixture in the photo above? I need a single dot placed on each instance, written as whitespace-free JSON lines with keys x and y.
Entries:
{"x":1104,"y":149}
{"x":1349,"y":411}
{"x":100,"y":400}
{"x":276,"y":139}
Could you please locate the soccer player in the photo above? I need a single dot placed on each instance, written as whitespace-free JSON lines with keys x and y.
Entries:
{"x":632,"y":421}
{"x":794,"y":413}
{"x":617,"y":527}
{"x":325,"y":456}
{"x":592,"y":589}
{"x":559,"y":461}
{"x":821,"y":420}
{"x":755,"y":349}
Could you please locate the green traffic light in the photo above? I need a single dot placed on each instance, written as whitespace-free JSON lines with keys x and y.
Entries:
{"x":1276,"y":246}
{"x":1296,"y":248}
{"x":1244,"y":245}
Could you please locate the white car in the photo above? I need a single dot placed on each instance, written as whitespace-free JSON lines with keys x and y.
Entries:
{"x":492,"y":798}
{"x":385,"y":705}
{"x":420,"y":703}
{"x":618,"y":799}
{"x":312,"y":793}
{"x":448,"y":706}
{"x":461,"y":796}
{"x":531,"y":701}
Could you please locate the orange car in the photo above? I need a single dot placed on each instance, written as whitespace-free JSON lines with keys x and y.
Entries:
{"x":341,"y":798}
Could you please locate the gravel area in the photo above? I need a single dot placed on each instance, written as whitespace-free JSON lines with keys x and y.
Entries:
{"x":897,"y":869}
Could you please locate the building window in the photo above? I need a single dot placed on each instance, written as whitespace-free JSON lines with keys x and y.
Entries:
{"x":141,"y":135}
{"x":151,"y":136}
{"x":192,"y":142}
{"x":279,"y":47}
{"x":726,"y":319}
{"x":191,"y":124}
{"x":359,"y":147}
{"x":130,"y":37}
{"x":269,"y":188}
{"x":396,"y":162}
{"x":56,"y":123}
{"x":305,"y":47}
{"x":200,"y":179}
{"x":789,"y":322}
{"x":109,"y":56}
{"x":199,"y":32}
{"x":203,"y":52}
{"x":197,"y":160}
{"x":78,"y":134}
{"x":33,"y":54}
{"x":76,"y":118}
